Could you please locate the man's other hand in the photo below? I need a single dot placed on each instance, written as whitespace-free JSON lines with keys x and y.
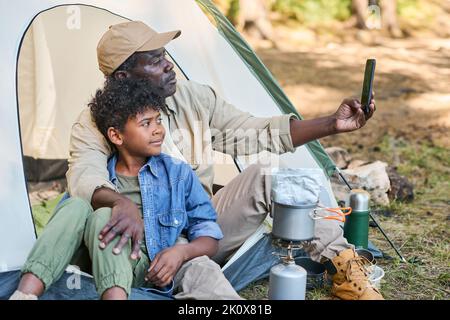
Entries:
{"x":125,"y":222}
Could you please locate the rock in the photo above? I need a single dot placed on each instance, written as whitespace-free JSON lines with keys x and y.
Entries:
{"x":356,"y":163}
{"x":372,"y":177}
{"x":401,"y":189}
{"x":340,"y":190}
{"x":340,"y":156}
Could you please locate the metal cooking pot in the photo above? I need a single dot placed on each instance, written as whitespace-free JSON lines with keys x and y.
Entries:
{"x":296,"y":223}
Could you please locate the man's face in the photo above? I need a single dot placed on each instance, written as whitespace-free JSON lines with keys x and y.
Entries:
{"x":143,"y":135}
{"x":153,"y":66}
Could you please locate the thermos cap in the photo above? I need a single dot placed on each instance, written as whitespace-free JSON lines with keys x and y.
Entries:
{"x":359,"y":200}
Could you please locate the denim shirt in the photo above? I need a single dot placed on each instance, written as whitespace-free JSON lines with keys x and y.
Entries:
{"x":173,"y":201}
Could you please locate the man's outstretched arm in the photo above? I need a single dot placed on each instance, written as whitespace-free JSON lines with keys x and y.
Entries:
{"x":348,"y":117}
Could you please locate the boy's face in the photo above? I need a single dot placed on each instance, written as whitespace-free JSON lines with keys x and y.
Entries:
{"x":143,"y":135}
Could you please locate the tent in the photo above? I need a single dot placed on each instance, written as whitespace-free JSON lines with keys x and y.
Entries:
{"x":49,"y":72}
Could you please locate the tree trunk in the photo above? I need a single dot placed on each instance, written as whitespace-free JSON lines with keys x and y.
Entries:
{"x":389,"y":17}
{"x":360,"y":9}
{"x":254,"y":13}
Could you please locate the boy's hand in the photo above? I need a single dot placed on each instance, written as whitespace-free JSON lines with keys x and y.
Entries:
{"x":165,"y":265}
{"x":125,"y":221}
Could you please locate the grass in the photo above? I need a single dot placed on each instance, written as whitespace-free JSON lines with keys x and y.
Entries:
{"x":419,"y":228}
{"x":422,"y":236}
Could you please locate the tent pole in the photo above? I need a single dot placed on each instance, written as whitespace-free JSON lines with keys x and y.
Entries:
{"x":374,"y":220}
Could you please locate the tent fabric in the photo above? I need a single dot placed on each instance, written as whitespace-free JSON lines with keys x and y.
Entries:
{"x":59,"y":74}
{"x":50,"y":95}
{"x":55,"y":81}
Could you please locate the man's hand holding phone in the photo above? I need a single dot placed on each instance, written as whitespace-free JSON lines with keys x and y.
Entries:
{"x":353,"y":114}
{"x":350,"y":115}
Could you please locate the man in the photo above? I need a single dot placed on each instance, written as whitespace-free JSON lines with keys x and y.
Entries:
{"x":132,"y":49}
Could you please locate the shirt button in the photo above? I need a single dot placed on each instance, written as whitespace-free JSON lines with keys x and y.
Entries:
{"x":176,"y":221}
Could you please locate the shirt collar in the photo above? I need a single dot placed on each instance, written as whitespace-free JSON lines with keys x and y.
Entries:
{"x":169,"y":106}
{"x":151,"y":164}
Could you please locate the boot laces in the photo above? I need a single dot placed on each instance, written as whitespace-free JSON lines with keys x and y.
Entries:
{"x":357,"y":268}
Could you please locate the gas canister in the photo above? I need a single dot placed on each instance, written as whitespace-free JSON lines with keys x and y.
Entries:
{"x":287,"y":281}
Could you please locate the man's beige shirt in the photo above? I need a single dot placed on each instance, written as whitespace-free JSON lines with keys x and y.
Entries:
{"x":199,"y":122}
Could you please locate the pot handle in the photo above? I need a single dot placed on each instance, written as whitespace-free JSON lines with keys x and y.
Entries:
{"x":341,"y":212}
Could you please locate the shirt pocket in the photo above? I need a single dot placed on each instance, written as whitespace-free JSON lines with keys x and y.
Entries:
{"x":171,"y":224}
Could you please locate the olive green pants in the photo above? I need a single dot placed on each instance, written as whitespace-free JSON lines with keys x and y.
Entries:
{"x":75,"y":221}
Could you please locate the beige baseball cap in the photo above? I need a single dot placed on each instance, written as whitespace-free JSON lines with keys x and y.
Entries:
{"x":124,"y":39}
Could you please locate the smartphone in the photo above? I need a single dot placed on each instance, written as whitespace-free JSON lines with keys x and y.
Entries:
{"x":368,"y":85}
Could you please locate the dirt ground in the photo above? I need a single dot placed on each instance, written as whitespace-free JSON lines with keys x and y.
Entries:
{"x":412,"y":84}
{"x":410,"y":131}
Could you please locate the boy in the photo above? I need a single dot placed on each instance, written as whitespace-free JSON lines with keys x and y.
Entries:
{"x":173,"y":205}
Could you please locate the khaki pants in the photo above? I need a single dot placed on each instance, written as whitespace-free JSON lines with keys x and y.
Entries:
{"x":75,"y":221}
{"x":243,"y":204}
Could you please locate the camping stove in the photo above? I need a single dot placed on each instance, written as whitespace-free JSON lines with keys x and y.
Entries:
{"x":289,"y":247}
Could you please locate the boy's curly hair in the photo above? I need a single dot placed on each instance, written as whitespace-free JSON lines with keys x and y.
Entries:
{"x":121,"y":100}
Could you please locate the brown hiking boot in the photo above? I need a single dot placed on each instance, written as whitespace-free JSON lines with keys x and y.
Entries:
{"x":351,"y":282}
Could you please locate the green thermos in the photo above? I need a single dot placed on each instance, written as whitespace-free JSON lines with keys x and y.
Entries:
{"x":356,"y":227}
